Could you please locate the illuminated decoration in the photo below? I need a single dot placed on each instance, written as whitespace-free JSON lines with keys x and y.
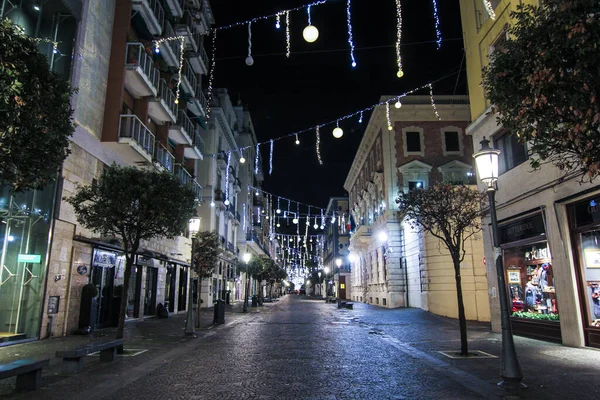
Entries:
{"x":350,"y":38}
{"x":211,"y":77}
{"x":387,"y":115}
{"x":438,"y":33}
{"x":398,"y":104}
{"x":278,"y":209}
{"x":338,"y":132}
{"x":214,"y":175}
{"x":318,"y":145}
{"x":227,"y":177}
{"x":256,"y":161}
{"x":400,"y":73}
{"x":249,"y":59}
{"x":297,"y":140}
{"x":157,"y":44}
{"x":288,"y":41}
{"x":489,"y":8}
{"x":278,"y":21}
{"x":310,"y":33}
{"x":271,"y":158}
{"x":244,"y":222}
{"x":437,"y":115}
{"x":242,"y":159}
{"x":360,"y":119}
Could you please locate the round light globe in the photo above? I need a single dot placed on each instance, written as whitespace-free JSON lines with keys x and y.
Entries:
{"x":242,"y":160}
{"x":249,"y":61}
{"x":400,"y":73}
{"x":398,"y":104}
{"x":310,"y":33}
{"x":226,"y":202}
{"x":295,"y":220}
{"x":338,"y":132}
{"x":316,"y":226}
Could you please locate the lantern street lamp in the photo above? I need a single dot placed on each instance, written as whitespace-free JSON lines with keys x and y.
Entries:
{"x":246,"y":257}
{"x":193,"y":227}
{"x":486,"y":160}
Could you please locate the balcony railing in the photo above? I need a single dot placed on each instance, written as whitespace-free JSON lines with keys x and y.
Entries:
{"x":188,"y":74}
{"x":153,"y":14}
{"x":198,"y":142}
{"x":167,"y":95}
{"x":176,"y":7}
{"x":164,"y":157}
{"x":184,"y":176}
{"x":138,"y":59}
{"x":166,"y":111}
{"x":187,"y":28}
{"x":172,"y":48}
{"x":131,"y":127}
{"x":198,"y":190}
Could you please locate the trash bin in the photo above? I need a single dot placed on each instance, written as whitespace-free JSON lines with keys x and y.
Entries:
{"x":219,"y":317}
{"x":254,"y":301}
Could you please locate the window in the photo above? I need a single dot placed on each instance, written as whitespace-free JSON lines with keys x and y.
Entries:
{"x":512,"y":152}
{"x":413,"y":142}
{"x":451,"y":140}
{"x":415,"y":185}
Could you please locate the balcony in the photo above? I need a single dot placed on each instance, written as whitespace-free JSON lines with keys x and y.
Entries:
{"x":188,"y":79}
{"x":182,"y":130}
{"x":164,"y":158}
{"x":163,"y":108}
{"x":171,"y":49}
{"x":221,"y":160}
{"x":176,"y":7}
{"x":230,"y":247}
{"x":199,"y":59}
{"x":141,"y":76}
{"x":138,"y":138}
{"x":184,"y":177}
{"x":187,"y":29}
{"x":237,"y":185}
{"x":152,"y":13}
{"x":196,"y":149}
{"x":198,"y":190}
{"x":363,"y":233}
{"x":198,"y":104}
{"x":205,"y":19}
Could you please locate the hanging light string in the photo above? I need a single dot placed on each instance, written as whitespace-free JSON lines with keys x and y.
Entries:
{"x":214,"y":176}
{"x":271,"y":158}
{"x":354,"y":114}
{"x":157,"y":44}
{"x":438,"y":33}
{"x":298,"y":203}
{"x":244,"y":222}
{"x":46,"y":40}
{"x":278,"y":20}
{"x":256,"y":159}
{"x":387,"y":115}
{"x":249,"y":59}
{"x":437,"y":115}
{"x":400,"y":73}
{"x":288,"y":40}
{"x":308,"y":12}
{"x":489,"y":8}
{"x":316,"y":3}
{"x":318,"y":145}
{"x":211,"y":77}
{"x":350,"y":38}
{"x":227,"y":176}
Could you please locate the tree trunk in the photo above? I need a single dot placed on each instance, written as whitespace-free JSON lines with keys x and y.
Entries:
{"x":260,"y":293}
{"x":462,"y":320}
{"x":199,"y":301}
{"x":125,"y":290}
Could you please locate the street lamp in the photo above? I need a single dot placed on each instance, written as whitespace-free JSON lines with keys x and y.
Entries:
{"x":486,"y":161}
{"x":193,"y":227}
{"x":246,"y":258}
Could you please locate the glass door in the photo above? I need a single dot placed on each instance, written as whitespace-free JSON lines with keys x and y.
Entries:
{"x":183,"y":289}
{"x":150,"y":293}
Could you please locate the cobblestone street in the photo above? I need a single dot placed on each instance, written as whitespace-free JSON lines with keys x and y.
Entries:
{"x":298,"y":348}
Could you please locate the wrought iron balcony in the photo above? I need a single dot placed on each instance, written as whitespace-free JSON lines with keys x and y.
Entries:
{"x":132,"y":131}
{"x":163,"y":108}
{"x":197,"y":148}
{"x":164,"y":158}
{"x":188,"y":79}
{"x":199,"y":59}
{"x":152,"y":13}
{"x":182,"y":130}
{"x":141,"y":76}
{"x":198,"y":105}
{"x":184,"y":176}
{"x":198,"y":190}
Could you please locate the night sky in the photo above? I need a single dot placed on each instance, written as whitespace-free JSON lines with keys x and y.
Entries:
{"x":317,"y":83}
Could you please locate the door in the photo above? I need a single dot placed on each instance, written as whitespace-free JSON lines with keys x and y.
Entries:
{"x":170,"y":287}
{"x":343,"y":287}
{"x":183,"y":289}
{"x":150,"y":293}
{"x":104,"y":278}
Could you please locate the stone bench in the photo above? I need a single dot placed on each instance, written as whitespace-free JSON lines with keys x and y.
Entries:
{"x":73,"y":359}
{"x":27,"y":371}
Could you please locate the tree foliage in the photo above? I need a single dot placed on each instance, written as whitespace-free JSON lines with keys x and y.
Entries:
{"x":35,"y":113}
{"x":451,"y":213}
{"x":205,"y":253}
{"x":544,"y":83}
{"x":134,"y":205}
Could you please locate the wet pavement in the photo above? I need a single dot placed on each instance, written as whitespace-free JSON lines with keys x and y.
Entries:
{"x":298,"y":348}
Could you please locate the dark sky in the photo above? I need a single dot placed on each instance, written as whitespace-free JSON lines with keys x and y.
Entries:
{"x":317,"y":83}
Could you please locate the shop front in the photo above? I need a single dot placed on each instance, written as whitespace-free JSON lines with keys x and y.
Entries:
{"x":529,"y":277}
{"x":584,"y":222}
{"x":107,"y":266}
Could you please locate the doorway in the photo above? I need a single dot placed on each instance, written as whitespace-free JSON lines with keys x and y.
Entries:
{"x":104,"y":279}
{"x":150,"y":292}
{"x":183,"y":289}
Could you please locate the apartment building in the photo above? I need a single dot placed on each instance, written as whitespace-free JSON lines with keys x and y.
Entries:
{"x":335,"y":249}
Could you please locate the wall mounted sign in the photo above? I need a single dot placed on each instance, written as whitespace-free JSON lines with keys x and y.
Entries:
{"x":29,"y":258}
{"x":525,"y":228}
{"x":82,"y":269}
{"x":53,"y":302}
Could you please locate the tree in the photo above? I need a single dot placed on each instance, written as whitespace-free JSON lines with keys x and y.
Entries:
{"x":205,"y":253}
{"x":544,"y":83}
{"x":255,"y":269}
{"x":134,"y":205}
{"x":35,"y":113}
{"x":451,"y":214}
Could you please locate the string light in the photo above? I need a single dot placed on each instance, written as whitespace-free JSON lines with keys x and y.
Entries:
{"x":256,"y":161}
{"x":360,"y":119}
{"x":278,"y":21}
{"x":227,"y":177}
{"x":214,"y":174}
{"x":400,"y":73}
{"x":437,"y":115}
{"x":242,"y":159}
{"x":398,"y":104}
{"x":489,"y":8}
{"x":387,"y":115}
{"x":157,"y":44}
{"x":438,"y":33}
{"x":350,"y":39}
{"x":249,"y":59}
{"x":244,"y":223}
{"x":212,"y":74}
{"x":318,"y":145}
{"x":337,"y":131}
{"x":297,"y":140}
{"x":310,"y":33}
{"x":288,"y":41}
{"x":271,"y":158}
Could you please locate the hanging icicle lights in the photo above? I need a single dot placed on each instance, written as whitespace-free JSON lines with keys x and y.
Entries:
{"x":489,"y":8}
{"x":211,"y":77}
{"x":318,"y":145}
{"x":350,"y":38}
{"x":157,"y":44}
{"x":437,"y":115}
{"x":256,"y":159}
{"x":288,"y":41}
{"x":387,"y":115}
{"x":400,"y":72}
{"x":438,"y":33}
{"x":271,"y":158}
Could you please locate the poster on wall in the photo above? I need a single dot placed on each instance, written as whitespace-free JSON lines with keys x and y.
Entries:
{"x":514,"y":276}
{"x":592,"y":258}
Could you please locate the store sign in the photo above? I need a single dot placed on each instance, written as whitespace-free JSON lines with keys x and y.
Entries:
{"x":522,"y":229}
{"x":29,"y":258}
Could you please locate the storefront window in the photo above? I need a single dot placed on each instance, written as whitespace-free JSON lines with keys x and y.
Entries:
{"x":530,"y":280}
{"x":590,"y":256}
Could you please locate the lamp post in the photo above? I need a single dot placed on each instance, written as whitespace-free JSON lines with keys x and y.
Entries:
{"x":338,"y":263}
{"x":486,"y":161}
{"x":193,"y":227}
{"x":247,"y":257}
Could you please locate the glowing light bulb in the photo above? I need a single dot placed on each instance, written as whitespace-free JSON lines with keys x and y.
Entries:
{"x":316,"y":226}
{"x":398,"y":104}
{"x":157,"y":49}
{"x":212,"y":203}
{"x":226,"y":202}
{"x":322,"y":227}
{"x":242,"y":160}
{"x":310,"y":33}
{"x":278,"y":224}
{"x":390,"y":128}
{"x":400,"y":73}
{"x":278,"y":211}
{"x":249,"y":61}
{"x":295,"y":220}
{"x":338,"y":132}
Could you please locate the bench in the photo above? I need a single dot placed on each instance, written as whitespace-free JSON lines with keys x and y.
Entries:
{"x":73,"y":359}
{"x":347,"y":305}
{"x":28,"y":372}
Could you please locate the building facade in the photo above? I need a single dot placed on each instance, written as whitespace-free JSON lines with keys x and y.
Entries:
{"x":548,"y":221}
{"x":392,"y":264}
{"x":335,"y":250}
{"x":126,"y":113}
